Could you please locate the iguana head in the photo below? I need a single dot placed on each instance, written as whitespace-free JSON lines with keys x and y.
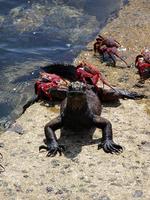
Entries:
{"x":76,"y":96}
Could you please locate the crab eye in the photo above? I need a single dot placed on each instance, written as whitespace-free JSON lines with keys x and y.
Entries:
{"x":70,"y":87}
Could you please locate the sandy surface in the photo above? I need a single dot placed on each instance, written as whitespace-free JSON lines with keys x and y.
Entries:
{"x":84,"y":172}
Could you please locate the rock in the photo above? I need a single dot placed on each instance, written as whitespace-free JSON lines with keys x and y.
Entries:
{"x":104,"y":198}
{"x":2,"y":145}
{"x":16,"y":128}
{"x":49,"y":189}
{"x":138,"y":194}
{"x":55,"y":163}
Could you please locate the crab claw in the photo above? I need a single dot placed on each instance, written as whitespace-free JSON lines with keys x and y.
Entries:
{"x":110,"y":147}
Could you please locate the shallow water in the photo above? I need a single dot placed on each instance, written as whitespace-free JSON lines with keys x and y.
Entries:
{"x":34,"y":33}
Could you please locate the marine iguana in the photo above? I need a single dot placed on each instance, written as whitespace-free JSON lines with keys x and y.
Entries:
{"x":80,"y":112}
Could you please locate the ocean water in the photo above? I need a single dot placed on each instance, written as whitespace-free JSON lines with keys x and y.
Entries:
{"x":34,"y":33}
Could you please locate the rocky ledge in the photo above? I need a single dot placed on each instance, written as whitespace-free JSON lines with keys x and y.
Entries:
{"x":84,"y":172}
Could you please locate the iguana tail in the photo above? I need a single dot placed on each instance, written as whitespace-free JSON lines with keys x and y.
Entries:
{"x":66,"y":71}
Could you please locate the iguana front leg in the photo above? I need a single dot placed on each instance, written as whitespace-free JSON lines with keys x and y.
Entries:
{"x":107,"y":143}
{"x":51,"y":140}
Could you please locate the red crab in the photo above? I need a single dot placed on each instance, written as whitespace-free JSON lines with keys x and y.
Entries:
{"x":142,"y":63}
{"x":47,"y":83}
{"x":108,"y":46}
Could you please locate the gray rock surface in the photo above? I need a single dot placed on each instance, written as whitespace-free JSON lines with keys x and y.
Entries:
{"x":83,"y":172}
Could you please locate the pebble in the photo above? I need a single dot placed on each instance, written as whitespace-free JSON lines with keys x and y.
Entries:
{"x":138,"y":194}
{"x":147,"y":133}
{"x":55,"y":163}
{"x":25,"y":176}
{"x":104,"y":198}
{"x":18,"y":187}
{"x":49,"y":189}
{"x":2,"y":145}
{"x":29,"y":190}
{"x":59,"y":192}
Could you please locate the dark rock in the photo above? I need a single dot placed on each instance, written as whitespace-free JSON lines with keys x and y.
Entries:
{"x":49,"y":189}
{"x":145,"y":143}
{"x":2,"y":145}
{"x":25,"y":176}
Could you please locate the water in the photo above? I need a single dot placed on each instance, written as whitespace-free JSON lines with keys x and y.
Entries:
{"x":36,"y":32}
